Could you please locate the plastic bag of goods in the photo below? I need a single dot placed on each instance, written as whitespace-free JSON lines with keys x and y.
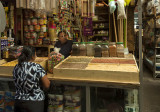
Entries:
{"x":121,"y":9}
{"x":59,"y":103}
{"x":54,"y":59}
{"x":51,"y":102}
{"x":112,"y":6}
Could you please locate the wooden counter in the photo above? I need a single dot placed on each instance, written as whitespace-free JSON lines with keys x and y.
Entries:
{"x":128,"y":80}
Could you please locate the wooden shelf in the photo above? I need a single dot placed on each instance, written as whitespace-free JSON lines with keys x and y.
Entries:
{"x":101,"y":35}
{"x":100,"y":21}
{"x":101,"y":28}
{"x":101,"y":13}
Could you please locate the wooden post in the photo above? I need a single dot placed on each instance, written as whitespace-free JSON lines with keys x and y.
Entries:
{"x":115,"y":31}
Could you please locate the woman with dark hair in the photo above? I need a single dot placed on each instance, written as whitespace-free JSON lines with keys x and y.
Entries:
{"x":27,"y":78}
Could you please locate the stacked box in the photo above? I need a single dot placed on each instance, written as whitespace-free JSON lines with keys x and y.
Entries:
{"x":1,"y":101}
{"x":9,"y":101}
{"x":70,"y":101}
{"x":131,"y":101}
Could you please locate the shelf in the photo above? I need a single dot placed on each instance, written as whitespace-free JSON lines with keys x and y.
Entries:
{"x":100,"y":28}
{"x":104,"y":21}
{"x":157,"y":64}
{"x":157,"y":72}
{"x":157,"y":47}
{"x":101,"y":13}
{"x":157,"y":56}
{"x":101,"y":35}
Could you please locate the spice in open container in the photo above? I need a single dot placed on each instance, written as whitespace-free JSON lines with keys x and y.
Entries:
{"x":75,"y":49}
{"x":98,"y":50}
{"x":105,"y":50}
{"x":83,"y":49}
{"x":90,"y":49}
{"x":120,"y":49}
{"x":112,"y":49}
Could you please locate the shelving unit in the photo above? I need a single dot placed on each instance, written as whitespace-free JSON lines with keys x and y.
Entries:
{"x":103,"y":19}
{"x":154,"y":64}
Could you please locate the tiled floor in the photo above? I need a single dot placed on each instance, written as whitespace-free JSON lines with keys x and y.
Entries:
{"x":151,"y":92}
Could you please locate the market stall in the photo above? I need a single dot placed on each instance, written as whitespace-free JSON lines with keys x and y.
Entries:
{"x":100,"y":68}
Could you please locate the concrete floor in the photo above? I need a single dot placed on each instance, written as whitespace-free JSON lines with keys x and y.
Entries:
{"x":151,"y":92}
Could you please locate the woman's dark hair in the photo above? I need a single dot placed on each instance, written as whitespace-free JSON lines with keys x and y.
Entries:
{"x":63,"y":31}
{"x":27,"y":54}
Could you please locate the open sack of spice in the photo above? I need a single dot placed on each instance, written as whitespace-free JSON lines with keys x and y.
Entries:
{"x":54,"y":59}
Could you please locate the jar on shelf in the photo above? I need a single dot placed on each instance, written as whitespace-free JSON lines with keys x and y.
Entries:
{"x":112,"y":49}
{"x":75,"y":49}
{"x":40,"y":21}
{"x":26,"y":28}
{"x":33,"y":35}
{"x":43,"y":28}
{"x":41,"y":35}
{"x":31,"y":28}
{"x":27,"y":35}
{"x":90,"y":49}
{"x":45,"y":21}
{"x":37,"y":14}
{"x":39,"y":41}
{"x":120,"y":49}
{"x":34,"y":21}
{"x":37,"y":28}
{"x":105,"y":50}
{"x":98,"y":50}
{"x":31,"y":14}
{"x":28,"y":22}
{"x":83,"y":49}
{"x":31,"y":41}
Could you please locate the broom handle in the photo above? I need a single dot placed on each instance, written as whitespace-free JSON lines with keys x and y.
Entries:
{"x":115,"y":31}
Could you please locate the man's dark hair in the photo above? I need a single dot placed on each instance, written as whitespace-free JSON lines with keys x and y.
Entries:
{"x":63,"y":31}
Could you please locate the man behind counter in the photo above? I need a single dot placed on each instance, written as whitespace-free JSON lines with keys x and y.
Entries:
{"x":64,"y":44}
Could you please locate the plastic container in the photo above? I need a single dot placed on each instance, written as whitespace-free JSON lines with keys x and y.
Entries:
{"x":31,"y":28}
{"x":27,"y":35}
{"x":43,"y":28}
{"x":105,"y":50}
{"x":83,"y":49}
{"x":34,"y":21}
{"x":39,"y":41}
{"x":37,"y":28}
{"x":26,"y":29}
{"x":33,"y":35}
{"x":98,"y":50}
{"x":40,"y":21}
{"x":31,"y":41}
{"x":90,"y":49}
{"x":112,"y":49}
{"x":41,"y":35}
{"x":75,"y":49}
{"x":28,"y":22}
{"x":120,"y":49}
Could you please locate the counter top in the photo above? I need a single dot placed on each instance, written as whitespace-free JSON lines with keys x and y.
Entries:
{"x":115,"y":79}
